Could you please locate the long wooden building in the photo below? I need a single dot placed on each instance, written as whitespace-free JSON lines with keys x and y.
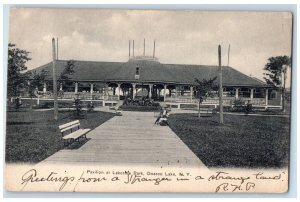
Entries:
{"x":144,"y":76}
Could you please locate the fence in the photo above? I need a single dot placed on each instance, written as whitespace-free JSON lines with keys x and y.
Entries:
{"x":80,"y":95}
{"x":215,"y":100}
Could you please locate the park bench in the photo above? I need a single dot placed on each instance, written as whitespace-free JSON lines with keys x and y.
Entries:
{"x":71,"y":132}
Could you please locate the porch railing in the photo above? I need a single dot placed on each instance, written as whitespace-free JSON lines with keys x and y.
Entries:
{"x":215,"y":100}
{"x":179,"y":99}
{"x":80,"y":95}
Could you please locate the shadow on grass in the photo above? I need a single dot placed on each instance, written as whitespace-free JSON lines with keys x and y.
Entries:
{"x":77,"y":144}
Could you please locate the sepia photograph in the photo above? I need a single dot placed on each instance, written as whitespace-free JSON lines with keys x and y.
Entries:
{"x":119,"y":100}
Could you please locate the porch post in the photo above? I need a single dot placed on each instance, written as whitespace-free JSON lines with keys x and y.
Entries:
{"x":267,"y":96}
{"x":92,"y":90}
{"x":251,"y":94}
{"x":38,"y":97}
{"x":119,"y":91}
{"x":150,"y":91}
{"x":76,"y":87}
{"x":133,"y":91}
{"x":165,"y":92}
{"x":236,"y":93}
{"x":45,"y":88}
{"x":281,"y":97}
{"x":191,"y":93}
{"x":106,"y":89}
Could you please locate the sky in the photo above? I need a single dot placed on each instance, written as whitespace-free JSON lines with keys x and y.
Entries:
{"x":182,"y":37}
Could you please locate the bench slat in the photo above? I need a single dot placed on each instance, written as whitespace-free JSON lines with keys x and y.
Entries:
{"x":70,"y":127}
{"x":76,"y":134}
{"x":68,"y":124}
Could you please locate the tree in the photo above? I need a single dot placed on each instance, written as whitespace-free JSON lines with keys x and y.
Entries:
{"x":16,"y":78}
{"x":64,"y":78}
{"x":204,"y":89}
{"x":277,"y":68}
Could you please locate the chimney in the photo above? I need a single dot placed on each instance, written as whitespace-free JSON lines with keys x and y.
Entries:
{"x":57,"y":48}
{"x":133,"y":48}
{"x":144,"y":45}
{"x":154,"y":50}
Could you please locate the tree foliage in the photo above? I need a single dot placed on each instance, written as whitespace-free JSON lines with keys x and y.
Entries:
{"x":37,"y":81}
{"x":16,"y":78}
{"x":275,"y":67}
{"x":64,"y":77}
{"x":205,"y":88}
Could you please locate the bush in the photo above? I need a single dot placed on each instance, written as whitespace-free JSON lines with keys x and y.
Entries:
{"x":140,"y":108}
{"x":238,"y":105}
{"x":140,"y":101}
{"x":44,"y":105}
{"x":50,"y":104}
{"x":248,"y":108}
{"x":18,"y":103}
{"x":78,"y":108}
{"x":90,"y":107}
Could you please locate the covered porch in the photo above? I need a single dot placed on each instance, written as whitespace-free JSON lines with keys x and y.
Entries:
{"x":174,"y":94}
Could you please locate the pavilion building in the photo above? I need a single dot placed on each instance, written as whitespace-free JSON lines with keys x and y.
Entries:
{"x":144,"y":76}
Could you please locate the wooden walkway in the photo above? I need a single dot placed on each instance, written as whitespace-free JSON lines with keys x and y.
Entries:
{"x":130,"y":139}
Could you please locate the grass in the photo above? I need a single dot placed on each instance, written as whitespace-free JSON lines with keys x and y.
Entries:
{"x":244,"y":141}
{"x":32,"y":136}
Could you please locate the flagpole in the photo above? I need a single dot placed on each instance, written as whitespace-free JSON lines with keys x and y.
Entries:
{"x":54,"y":81}
{"x":220,"y":87}
{"x":228,"y":55}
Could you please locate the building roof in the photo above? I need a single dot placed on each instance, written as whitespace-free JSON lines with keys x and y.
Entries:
{"x":151,"y":71}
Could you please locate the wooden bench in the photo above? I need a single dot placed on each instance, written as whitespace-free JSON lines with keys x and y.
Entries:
{"x":71,"y":132}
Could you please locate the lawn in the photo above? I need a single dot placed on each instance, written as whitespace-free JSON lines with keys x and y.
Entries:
{"x":244,"y":141}
{"x":32,"y":136}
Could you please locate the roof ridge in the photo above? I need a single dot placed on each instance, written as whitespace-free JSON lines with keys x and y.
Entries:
{"x":191,"y":65}
{"x":84,"y":61}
